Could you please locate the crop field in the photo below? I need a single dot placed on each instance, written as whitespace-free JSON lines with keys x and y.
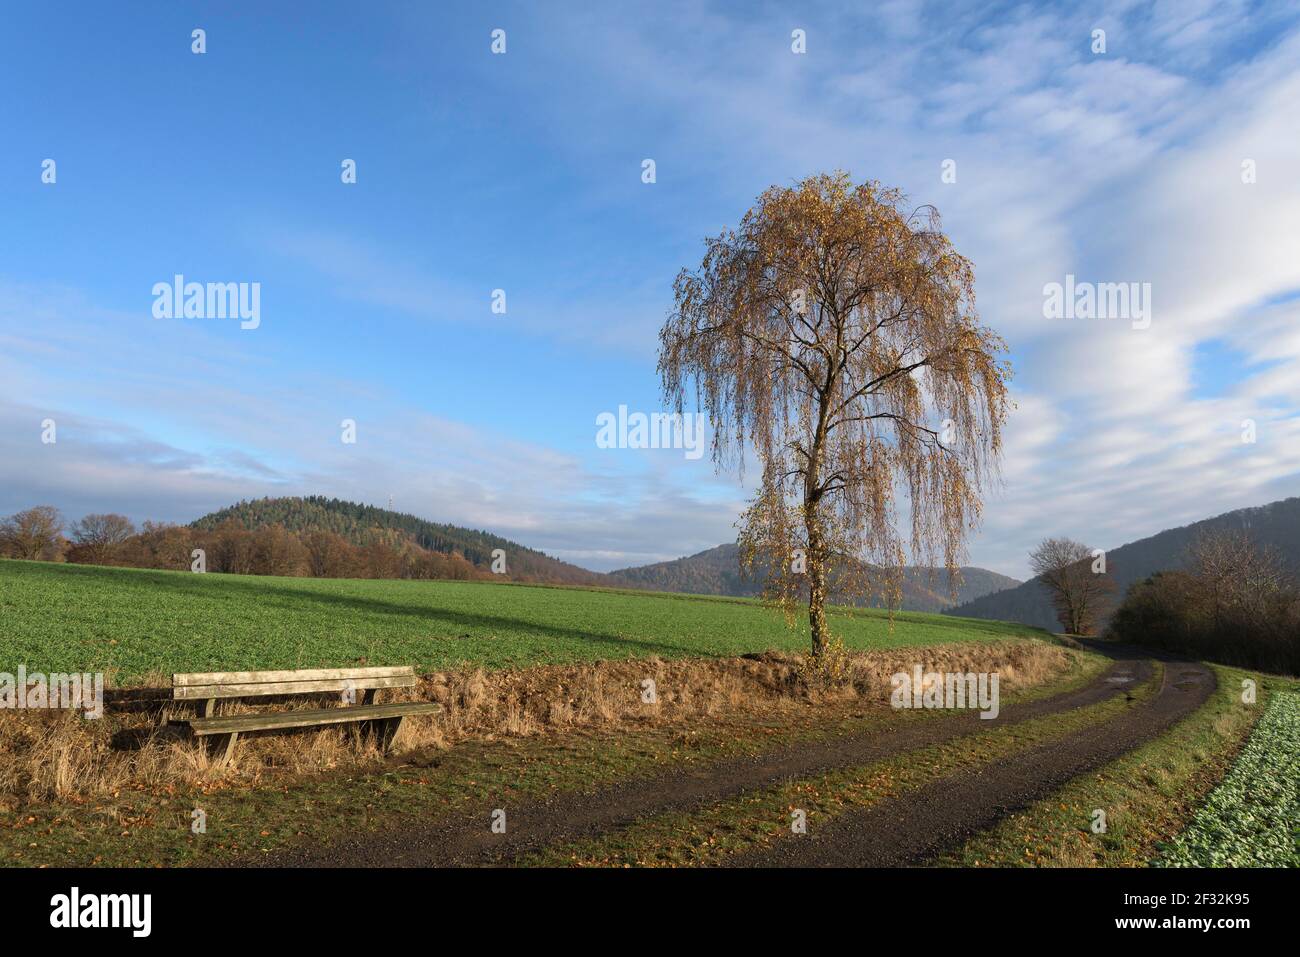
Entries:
{"x":133,"y":623}
{"x":1252,"y":819}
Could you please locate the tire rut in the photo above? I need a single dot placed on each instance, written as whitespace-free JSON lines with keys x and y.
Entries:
{"x":915,"y":828}
{"x":534,"y":824}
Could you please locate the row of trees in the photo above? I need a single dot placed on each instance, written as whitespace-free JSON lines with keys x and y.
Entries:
{"x":1233,"y":601}
{"x":110,"y":539}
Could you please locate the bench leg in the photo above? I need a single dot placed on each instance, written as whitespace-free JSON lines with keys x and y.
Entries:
{"x":221,"y":747}
{"x":385,"y":731}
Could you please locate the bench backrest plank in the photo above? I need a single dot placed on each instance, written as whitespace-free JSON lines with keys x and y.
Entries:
{"x":251,"y":684}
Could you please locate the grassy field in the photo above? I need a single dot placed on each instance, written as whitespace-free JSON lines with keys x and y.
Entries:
{"x":134,"y":623}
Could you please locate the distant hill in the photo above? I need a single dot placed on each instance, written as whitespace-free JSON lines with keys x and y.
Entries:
{"x":1276,"y":525}
{"x":364,"y":524}
{"x":712,"y":572}
{"x":716,"y":571}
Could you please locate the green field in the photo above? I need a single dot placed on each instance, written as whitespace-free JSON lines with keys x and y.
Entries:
{"x":1253,"y":817}
{"x":133,"y":623}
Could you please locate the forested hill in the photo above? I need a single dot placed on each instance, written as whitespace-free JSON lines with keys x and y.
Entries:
{"x":364,"y":524}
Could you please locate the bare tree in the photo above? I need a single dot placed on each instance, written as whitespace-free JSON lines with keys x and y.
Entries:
{"x":34,"y":533}
{"x":1080,"y":590}
{"x":379,"y":559}
{"x":99,"y":536}
{"x":329,"y":555}
{"x":229,"y":548}
{"x":160,"y":545}
{"x":277,"y":551}
{"x":835,"y":333}
{"x":1239,"y":578}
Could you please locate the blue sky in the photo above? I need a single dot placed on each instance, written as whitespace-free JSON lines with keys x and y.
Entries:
{"x":522,"y":172}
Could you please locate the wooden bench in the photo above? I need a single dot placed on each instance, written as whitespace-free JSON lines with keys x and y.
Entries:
{"x":221,"y":733}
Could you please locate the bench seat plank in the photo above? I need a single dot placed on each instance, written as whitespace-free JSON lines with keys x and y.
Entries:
{"x":307,"y":718}
{"x":262,"y":689}
{"x":309,"y":674}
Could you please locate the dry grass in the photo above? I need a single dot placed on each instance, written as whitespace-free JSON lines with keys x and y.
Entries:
{"x":61,"y":756}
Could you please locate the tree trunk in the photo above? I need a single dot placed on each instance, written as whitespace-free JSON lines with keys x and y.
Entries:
{"x":816,"y":584}
{"x":817,"y":557}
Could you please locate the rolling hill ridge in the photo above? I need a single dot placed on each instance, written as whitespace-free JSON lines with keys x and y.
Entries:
{"x":716,"y":571}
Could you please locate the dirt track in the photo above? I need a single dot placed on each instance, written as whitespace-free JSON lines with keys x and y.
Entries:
{"x":896,"y":832}
{"x":921,"y":824}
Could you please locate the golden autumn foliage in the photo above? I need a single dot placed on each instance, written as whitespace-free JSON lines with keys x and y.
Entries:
{"x":834,"y":333}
